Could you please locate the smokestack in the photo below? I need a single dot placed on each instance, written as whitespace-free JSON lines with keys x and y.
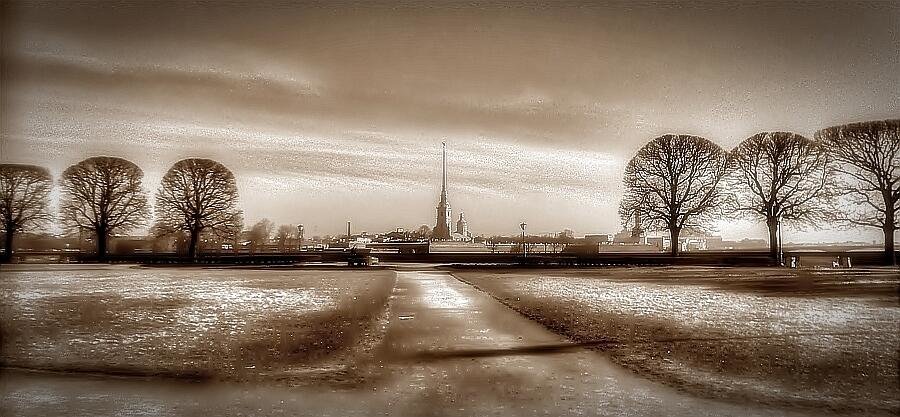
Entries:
{"x":348,"y":230}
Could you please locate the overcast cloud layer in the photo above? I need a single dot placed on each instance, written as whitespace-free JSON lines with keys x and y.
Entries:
{"x":335,"y":111}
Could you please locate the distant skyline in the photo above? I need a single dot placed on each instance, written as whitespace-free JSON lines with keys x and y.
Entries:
{"x":336,"y":110}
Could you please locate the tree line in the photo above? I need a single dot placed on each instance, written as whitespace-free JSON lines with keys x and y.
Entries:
{"x":848,"y":175}
{"x":104,"y":195}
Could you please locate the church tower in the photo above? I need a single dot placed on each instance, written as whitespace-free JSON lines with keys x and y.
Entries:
{"x":441,"y":229}
{"x":462,"y":227}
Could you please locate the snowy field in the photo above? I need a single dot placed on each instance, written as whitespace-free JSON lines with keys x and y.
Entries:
{"x":233,"y":324}
{"x":811,"y":338}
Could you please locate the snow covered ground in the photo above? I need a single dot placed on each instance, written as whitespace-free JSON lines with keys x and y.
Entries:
{"x":816,"y":338}
{"x":185,"y":322}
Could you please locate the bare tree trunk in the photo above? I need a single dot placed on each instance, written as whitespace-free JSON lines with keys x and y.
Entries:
{"x":8,"y":242}
{"x":673,"y":235}
{"x":102,"y":238}
{"x":193,"y":244}
{"x":774,"y":243}
{"x":889,"y":255}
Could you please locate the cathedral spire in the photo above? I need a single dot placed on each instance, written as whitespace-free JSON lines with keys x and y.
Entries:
{"x":441,"y":229}
{"x":443,"y":172}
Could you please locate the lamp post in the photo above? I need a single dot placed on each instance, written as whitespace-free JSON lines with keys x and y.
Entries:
{"x":300,"y":234}
{"x":524,"y":246}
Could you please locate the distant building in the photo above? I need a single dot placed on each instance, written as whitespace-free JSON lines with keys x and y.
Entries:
{"x":633,"y":236}
{"x":689,"y":240}
{"x":400,"y":234}
{"x":462,"y":230}
{"x":598,"y":239}
{"x":745,"y":244}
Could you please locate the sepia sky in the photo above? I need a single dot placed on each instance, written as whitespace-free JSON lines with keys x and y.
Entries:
{"x":334,"y":111}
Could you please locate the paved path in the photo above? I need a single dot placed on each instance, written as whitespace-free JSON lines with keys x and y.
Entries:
{"x":448,"y":349}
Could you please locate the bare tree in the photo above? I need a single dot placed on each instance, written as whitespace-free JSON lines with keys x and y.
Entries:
{"x":673,"y":182}
{"x":103,"y":195}
{"x":424,"y":231}
{"x":284,"y":234}
{"x":220,"y":238}
{"x":260,"y":233}
{"x":198,"y":196}
{"x":24,"y":191}
{"x":778,"y":177}
{"x":868,"y":154}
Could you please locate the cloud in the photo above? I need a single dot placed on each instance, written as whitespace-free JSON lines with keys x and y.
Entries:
{"x":329,"y":111}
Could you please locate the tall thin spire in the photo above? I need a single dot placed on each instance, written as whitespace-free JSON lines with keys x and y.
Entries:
{"x":443,"y":171}
{"x":441,"y":229}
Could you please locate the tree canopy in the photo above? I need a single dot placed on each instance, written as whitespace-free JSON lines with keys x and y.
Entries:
{"x":868,"y":156}
{"x":779,"y":176}
{"x":198,"y":196}
{"x":103,"y":194}
{"x":673,"y":182}
{"x":24,"y":202}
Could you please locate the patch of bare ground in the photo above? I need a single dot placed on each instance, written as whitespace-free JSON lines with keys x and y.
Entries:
{"x":294,"y":327}
{"x":821,"y":339}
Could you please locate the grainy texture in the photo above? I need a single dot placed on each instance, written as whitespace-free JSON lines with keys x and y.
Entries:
{"x":234,"y":324}
{"x":447,"y":350}
{"x":811,"y":338}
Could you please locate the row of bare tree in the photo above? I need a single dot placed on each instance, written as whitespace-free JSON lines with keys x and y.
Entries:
{"x":264,"y":230}
{"x":104,"y":196}
{"x":847,"y":175}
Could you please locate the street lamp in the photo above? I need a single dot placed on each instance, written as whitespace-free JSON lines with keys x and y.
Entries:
{"x":300,"y":233}
{"x":524,"y":247}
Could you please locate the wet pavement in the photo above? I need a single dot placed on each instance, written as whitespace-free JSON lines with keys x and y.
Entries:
{"x":447,"y":349}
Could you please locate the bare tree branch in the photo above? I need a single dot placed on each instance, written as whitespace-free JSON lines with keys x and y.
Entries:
{"x":24,"y":192}
{"x":104,"y":195}
{"x":868,"y":154}
{"x":198,"y":196}
{"x":260,"y":233}
{"x":776,"y":177}
{"x":285,"y":233}
{"x":673,"y":181}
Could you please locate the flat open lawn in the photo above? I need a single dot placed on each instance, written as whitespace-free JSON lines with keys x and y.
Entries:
{"x":233,"y":324}
{"x":826,"y":339}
